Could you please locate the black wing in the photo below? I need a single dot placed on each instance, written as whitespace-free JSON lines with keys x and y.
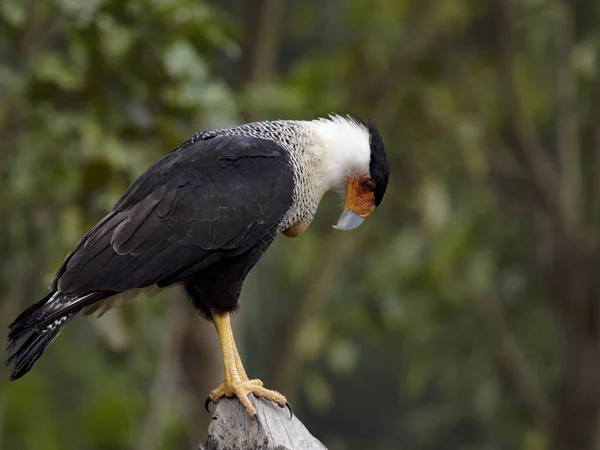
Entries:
{"x":204,"y":201}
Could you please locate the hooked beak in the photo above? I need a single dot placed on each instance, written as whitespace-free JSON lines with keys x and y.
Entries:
{"x":348,"y":220}
{"x":360,"y":202}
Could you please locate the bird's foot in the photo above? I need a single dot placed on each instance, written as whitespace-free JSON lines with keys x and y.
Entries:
{"x":241,"y":390}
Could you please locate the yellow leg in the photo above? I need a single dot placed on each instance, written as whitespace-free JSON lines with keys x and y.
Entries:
{"x":240,"y":368}
{"x":236,"y":382}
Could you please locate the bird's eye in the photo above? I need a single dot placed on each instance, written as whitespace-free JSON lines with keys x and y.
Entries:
{"x":369,"y":184}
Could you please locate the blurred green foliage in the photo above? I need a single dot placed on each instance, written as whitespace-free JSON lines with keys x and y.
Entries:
{"x":462,"y":315}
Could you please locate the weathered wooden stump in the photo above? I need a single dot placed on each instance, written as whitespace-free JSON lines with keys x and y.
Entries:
{"x":232,"y":428}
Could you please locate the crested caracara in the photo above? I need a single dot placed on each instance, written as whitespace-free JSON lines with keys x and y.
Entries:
{"x":201,"y":218}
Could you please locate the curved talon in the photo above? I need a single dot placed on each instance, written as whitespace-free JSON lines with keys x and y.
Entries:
{"x":241,"y":390}
{"x":288,"y":406}
{"x":206,"y":403}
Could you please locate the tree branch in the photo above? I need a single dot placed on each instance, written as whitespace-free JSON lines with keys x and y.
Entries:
{"x":595,"y":194}
{"x":511,"y":361}
{"x":325,"y":275}
{"x":567,"y":124}
{"x":262,"y":24}
{"x":594,"y":204}
{"x":164,"y":385}
{"x":232,"y":428}
{"x":504,"y":164}
{"x":422,"y":33}
{"x":538,"y":160}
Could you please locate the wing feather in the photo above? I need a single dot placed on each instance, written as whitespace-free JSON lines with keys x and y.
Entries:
{"x":136,"y":229}
{"x":204,"y":202}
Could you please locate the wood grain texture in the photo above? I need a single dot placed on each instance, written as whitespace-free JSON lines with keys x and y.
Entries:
{"x":232,"y":428}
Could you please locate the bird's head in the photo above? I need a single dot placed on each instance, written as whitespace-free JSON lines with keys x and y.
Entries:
{"x":356,"y":162}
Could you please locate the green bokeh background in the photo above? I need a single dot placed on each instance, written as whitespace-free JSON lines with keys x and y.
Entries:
{"x":464,"y":314}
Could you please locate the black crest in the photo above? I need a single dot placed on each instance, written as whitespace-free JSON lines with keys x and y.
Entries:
{"x":379,"y":166}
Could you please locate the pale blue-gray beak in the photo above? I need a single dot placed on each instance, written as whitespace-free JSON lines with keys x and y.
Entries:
{"x":348,"y":220}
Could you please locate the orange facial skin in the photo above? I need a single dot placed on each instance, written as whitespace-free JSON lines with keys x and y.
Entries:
{"x":359,"y":195}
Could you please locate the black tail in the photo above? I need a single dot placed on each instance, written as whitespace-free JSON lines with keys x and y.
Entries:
{"x":28,"y":353}
{"x":43,"y":321}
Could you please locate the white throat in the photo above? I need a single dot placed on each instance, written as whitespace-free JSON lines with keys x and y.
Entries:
{"x":344,"y":146}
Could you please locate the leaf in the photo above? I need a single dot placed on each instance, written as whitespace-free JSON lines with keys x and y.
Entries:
{"x":317,"y":391}
{"x":13,"y":11}
{"x":343,"y":356}
{"x":82,"y":12}
{"x":182,"y":61}
{"x":115,"y":40}
{"x":53,"y":68}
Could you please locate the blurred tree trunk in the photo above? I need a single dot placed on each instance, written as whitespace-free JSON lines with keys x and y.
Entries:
{"x":575,"y":289}
{"x":262,"y":23}
{"x":260,"y":43}
{"x":569,"y":253}
{"x":574,"y":273}
{"x":164,"y":384}
{"x":201,"y":367}
{"x":324,"y":279}
{"x":188,"y":369}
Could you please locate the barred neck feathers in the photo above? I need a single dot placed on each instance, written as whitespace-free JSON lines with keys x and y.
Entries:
{"x":344,"y":144}
{"x":324,"y":153}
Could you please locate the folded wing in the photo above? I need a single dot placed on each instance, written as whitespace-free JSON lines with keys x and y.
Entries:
{"x":205,"y":201}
